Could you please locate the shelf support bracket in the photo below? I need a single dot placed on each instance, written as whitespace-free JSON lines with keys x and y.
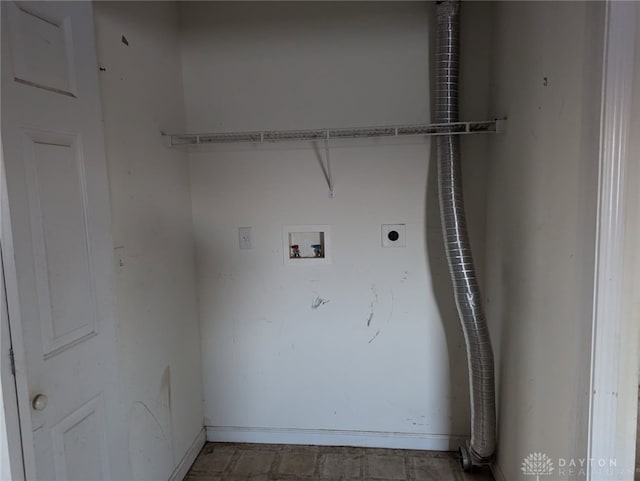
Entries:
{"x":327,"y":151}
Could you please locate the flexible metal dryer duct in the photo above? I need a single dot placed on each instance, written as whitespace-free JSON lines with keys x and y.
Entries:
{"x":465,"y":284}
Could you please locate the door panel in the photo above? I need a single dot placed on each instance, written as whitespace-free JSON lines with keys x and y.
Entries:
{"x":57,"y":202}
{"x":61,"y":232}
{"x":42,"y":48}
{"x":78,"y":444}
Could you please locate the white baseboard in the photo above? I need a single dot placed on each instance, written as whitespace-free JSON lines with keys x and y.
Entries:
{"x":189,"y":457}
{"x":326,"y":437}
{"x":498,"y":475}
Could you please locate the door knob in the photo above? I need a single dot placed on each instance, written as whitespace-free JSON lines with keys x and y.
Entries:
{"x":39,"y":402}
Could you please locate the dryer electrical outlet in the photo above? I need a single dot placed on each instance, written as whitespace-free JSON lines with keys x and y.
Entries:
{"x":394,"y":235}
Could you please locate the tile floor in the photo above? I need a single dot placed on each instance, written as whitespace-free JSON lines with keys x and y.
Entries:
{"x":272,"y":462}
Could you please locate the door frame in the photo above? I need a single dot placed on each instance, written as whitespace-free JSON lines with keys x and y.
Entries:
{"x":614,"y":344}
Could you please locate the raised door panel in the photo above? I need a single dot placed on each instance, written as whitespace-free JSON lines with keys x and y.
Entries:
{"x":57,"y":205}
{"x":42,"y":49}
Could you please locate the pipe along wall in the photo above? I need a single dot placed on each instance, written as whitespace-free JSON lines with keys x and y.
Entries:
{"x":465,"y":283}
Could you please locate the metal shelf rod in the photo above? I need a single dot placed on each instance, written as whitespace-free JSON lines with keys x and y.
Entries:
{"x":269,"y":136}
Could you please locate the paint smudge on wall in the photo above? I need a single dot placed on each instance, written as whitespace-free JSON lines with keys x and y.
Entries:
{"x":317,"y":302}
{"x":374,"y":291}
{"x":373,"y":338}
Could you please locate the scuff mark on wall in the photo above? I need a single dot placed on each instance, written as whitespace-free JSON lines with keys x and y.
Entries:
{"x":374,"y":291}
{"x":373,"y":338}
{"x":318,"y":301}
{"x":120,"y":254}
{"x":151,"y":435}
{"x":150,"y":449}
{"x":165,"y":387}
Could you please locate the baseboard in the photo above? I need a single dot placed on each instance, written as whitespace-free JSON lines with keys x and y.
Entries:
{"x":498,"y":475}
{"x":188,"y":459}
{"x":326,"y":437}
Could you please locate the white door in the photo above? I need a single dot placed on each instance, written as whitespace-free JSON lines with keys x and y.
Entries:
{"x":62,"y":308}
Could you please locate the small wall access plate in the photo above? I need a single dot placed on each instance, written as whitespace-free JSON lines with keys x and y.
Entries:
{"x":306,"y":244}
{"x":394,"y":235}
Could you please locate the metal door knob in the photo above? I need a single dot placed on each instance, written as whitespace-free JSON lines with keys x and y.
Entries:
{"x":39,"y":402}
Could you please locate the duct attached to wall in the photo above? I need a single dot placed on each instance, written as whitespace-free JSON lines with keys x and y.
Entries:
{"x":465,"y":284}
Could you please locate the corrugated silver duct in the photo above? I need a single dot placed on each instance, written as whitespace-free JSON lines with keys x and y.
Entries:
{"x":465,"y":284}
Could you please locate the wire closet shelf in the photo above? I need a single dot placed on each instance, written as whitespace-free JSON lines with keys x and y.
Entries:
{"x":262,"y":136}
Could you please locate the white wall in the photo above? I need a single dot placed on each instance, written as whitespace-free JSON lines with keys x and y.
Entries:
{"x":141,"y":89}
{"x":274,"y":367}
{"x":541,"y":224}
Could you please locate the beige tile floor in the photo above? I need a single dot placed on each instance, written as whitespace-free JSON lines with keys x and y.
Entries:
{"x":273,"y":462}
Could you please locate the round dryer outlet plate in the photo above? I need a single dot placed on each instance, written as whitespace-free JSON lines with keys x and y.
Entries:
{"x":394,"y":235}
